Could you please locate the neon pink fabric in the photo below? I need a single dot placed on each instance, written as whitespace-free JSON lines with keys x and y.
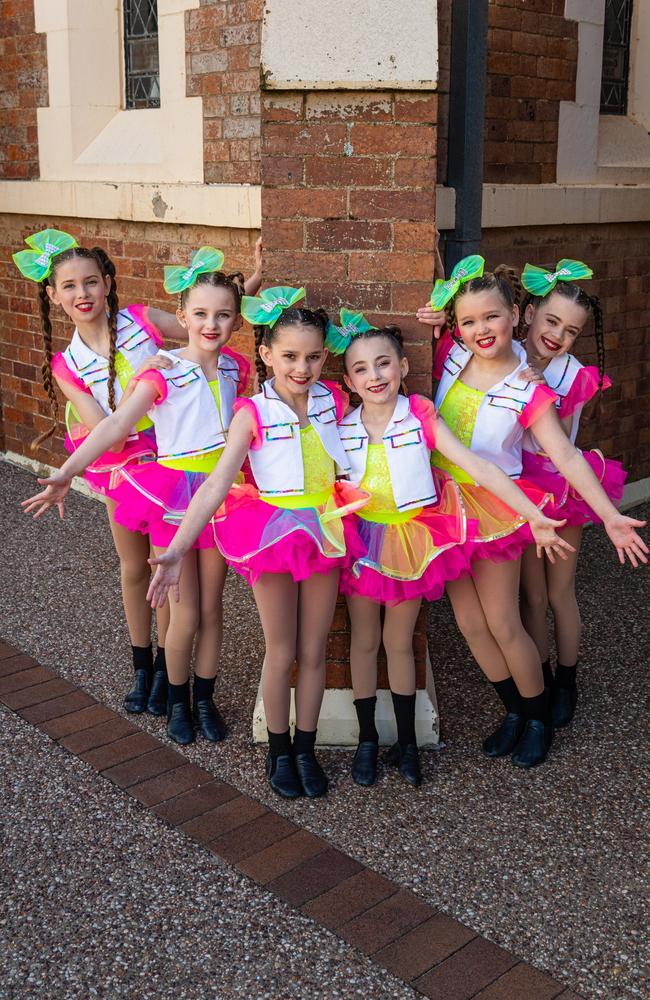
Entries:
{"x":140,"y":315}
{"x":156,"y":379}
{"x":62,"y":372}
{"x":543,"y":398}
{"x":584,"y":388}
{"x":424,"y":410}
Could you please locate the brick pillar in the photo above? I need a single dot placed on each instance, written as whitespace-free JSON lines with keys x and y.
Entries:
{"x":348,"y":203}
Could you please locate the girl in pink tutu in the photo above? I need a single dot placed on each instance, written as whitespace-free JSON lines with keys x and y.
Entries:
{"x":108,"y":345}
{"x":285,"y":533}
{"x":412,"y":530}
{"x":487,"y":401}
{"x":554,"y":315}
{"x":191,"y":405}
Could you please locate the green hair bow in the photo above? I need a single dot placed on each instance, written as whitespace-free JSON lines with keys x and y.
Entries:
{"x":36,"y":263}
{"x":266,"y":309}
{"x":538,"y":281}
{"x":465,"y":270}
{"x":203,"y":261}
{"x":339,"y":338}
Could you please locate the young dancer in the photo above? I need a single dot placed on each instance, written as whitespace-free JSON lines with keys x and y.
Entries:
{"x":107,"y":347}
{"x":484,"y":399}
{"x":554,"y":314}
{"x":191,"y":405}
{"x":285,"y":534}
{"x":412,"y":529}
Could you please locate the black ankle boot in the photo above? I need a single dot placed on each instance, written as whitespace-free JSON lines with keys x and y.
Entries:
{"x":179,"y":723}
{"x":534,"y":744}
{"x":283,"y":777}
{"x":505,"y":737}
{"x":407,"y":760}
{"x":136,"y":699}
{"x":208,"y":720}
{"x":364,"y":765}
{"x":312,"y":776}
{"x":157,"y":701}
{"x":563,"y":705}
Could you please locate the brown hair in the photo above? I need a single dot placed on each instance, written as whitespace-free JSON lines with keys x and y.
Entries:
{"x":391,"y":333}
{"x":293,"y":316}
{"x":504,"y":279}
{"x":106,"y":269}
{"x":591,"y":305}
{"x":218,"y":279}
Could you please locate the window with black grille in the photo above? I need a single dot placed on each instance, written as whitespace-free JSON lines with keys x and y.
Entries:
{"x":616,"y":57}
{"x":142,"y":74}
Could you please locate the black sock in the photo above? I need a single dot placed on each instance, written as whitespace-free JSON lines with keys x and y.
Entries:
{"x":142,"y":658}
{"x":303,"y":741}
{"x":548,"y":673}
{"x":404,"y":708}
{"x":565,"y":677}
{"x":178,"y":693}
{"x":203,"y":688}
{"x":538,"y":708}
{"x":160,"y":663}
{"x":366,"y":715}
{"x":509,"y":695}
{"x":279,"y":743}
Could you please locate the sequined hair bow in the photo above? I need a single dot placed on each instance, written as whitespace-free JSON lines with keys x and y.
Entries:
{"x":36,"y":263}
{"x":465,"y":270}
{"x":538,"y":281}
{"x":339,"y":338}
{"x":266,"y":308}
{"x":205,"y":260}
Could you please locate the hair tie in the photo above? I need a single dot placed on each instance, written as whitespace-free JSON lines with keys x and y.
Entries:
{"x":339,"y":338}
{"x":36,"y":263}
{"x":539,"y":282}
{"x":266,"y":308}
{"x":205,"y":260}
{"x":465,"y":270}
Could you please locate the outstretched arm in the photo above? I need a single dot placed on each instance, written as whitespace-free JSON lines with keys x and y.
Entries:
{"x":495,"y":480}
{"x":207,"y":499}
{"x":168,"y":325}
{"x":105,"y":435}
{"x":576,"y":471}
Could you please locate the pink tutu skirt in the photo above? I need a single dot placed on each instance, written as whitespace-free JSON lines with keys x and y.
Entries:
{"x":406,"y":559}
{"x":494,"y":530}
{"x":102,"y":475}
{"x":257,"y":537}
{"x":152,"y":499}
{"x":566,"y":503}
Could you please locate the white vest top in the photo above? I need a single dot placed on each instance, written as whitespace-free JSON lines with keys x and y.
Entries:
{"x":277,"y":465}
{"x":132,"y":342}
{"x":560,"y":374}
{"x":188,"y":421}
{"x":407,"y":454}
{"x":498,"y":433}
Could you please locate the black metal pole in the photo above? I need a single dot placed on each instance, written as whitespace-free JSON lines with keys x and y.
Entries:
{"x":469,"y":32}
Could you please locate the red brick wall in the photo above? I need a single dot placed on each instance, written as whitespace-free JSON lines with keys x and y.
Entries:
{"x":223,"y":67}
{"x":348,"y":204}
{"x":23,"y":68}
{"x":618,"y":255}
{"x":139,"y":251}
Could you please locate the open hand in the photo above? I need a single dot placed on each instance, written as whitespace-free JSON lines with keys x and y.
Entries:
{"x":157,"y":362}
{"x":56,"y":488}
{"x":547,"y":540}
{"x":167,"y":575}
{"x":532,"y":374}
{"x":432,"y":317}
{"x":628,"y":543}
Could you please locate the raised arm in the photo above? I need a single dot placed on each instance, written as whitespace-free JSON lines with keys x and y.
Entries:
{"x":253,"y":284}
{"x":207,"y":499}
{"x":168,"y":325}
{"x":495,"y":480}
{"x":576,"y":471}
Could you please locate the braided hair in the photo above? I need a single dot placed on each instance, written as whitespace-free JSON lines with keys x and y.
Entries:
{"x":294,"y":316}
{"x":106,"y":269}
{"x":590,"y":303}
{"x":504,"y":279}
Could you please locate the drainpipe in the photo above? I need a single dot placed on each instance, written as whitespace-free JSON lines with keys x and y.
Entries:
{"x":469,"y":31}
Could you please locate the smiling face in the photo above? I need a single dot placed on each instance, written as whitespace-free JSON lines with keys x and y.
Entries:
{"x":297,"y":354}
{"x":485,"y":322}
{"x":80,"y":288}
{"x":554,"y":323}
{"x":210,"y":316}
{"x":374,"y":370}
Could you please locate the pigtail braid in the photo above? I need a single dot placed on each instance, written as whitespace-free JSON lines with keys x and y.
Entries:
{"x":260,"y":367}
{"x":599,"y":336}
{"x":108,"y":268}
{"x":450,"y":319}
{"x":46,"y":367}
